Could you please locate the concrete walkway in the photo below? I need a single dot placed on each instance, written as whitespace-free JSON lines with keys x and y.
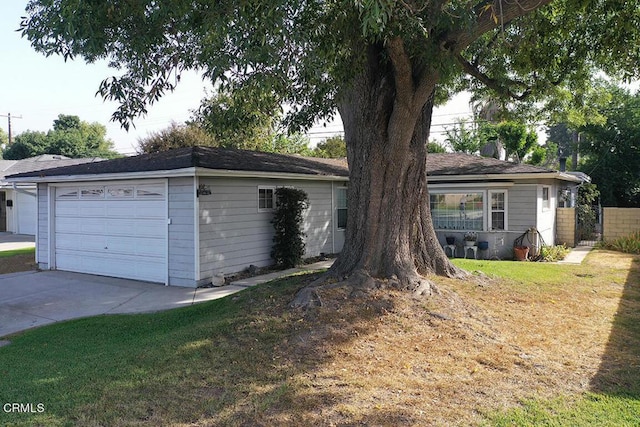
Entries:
{"x":32,"y":299}
{"x":10,"y":241}
{"x":577,"y":255}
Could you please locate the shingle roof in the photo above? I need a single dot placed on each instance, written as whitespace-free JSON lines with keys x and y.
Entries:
{"x":446,"y":164}
{"x":203,"y":157}
{"x":44,"y":161}
{"x":440,"y":164}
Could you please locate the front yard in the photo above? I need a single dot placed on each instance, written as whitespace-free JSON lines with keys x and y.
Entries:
{"x":518,"y":344}
{"x":17,"y":260}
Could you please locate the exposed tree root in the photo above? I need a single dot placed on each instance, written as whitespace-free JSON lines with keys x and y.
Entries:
{"x":360,"y":284}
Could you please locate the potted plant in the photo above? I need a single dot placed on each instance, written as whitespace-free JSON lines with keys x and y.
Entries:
{"x":521,"y":253}
{"x":451,"y":240}
{"x":470,"y":238}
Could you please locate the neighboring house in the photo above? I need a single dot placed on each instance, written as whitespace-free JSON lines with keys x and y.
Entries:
{"x":18,"y":201}
{"x":185,"y":216}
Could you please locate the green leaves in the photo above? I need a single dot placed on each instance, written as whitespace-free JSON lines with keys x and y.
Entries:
{"x":69,"y":137}
{"x":375,"y":16}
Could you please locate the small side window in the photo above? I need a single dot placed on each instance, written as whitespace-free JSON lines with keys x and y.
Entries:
{"x":341,"y":207}
{"x":120,"y":192}
{"x":149,"y":192}
{"x":546,"y":199}
{"x":92,"y":193}
{"x":266,"y":199}
{"x":67,"y":193}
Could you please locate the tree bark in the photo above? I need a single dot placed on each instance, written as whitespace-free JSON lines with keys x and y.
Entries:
{"x":390,"y":239}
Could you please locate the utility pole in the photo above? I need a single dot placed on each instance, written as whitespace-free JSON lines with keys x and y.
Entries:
{"x":8,"y":116}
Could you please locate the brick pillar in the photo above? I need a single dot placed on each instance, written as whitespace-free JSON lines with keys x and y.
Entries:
{"x":566,"y":227}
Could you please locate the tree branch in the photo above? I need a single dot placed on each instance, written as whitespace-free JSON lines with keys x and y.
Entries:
{"x":494,"y":84}
{"x":490,"y":15}
{"x":402,"y":70}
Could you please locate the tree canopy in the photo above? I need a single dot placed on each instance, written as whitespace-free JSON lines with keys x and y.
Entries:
{"x":611,"y":151}
{"x":305,"y":52}
{"x":331,"y":148}
{"x":69,"y":137}
{"x":175,"y":136}
{"x":4,"y":139}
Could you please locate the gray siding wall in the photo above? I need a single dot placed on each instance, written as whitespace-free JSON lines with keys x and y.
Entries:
{"x":42,"y":226}
{"x":234,"y":234}
{"x":182,"y":256}
{"x":523,"y":207}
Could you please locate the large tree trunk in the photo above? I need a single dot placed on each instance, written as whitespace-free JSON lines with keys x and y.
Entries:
{"x":390,"y":239}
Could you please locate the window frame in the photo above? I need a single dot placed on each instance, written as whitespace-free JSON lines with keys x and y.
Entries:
{"x":341,"y":208}
{"x":487,"y":209}
{"x":490,"y":210}
{"x":266,"y":188}
{"x":546,"y":203}
{"x":466,"y":191}
{"x":92,"y":193}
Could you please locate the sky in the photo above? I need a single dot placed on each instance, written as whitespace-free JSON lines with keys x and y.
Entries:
{"x":35,"y":89}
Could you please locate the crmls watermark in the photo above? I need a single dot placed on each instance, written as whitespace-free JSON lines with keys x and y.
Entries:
{"x":23,"y":408}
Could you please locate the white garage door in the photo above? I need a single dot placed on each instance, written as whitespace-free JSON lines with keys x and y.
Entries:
{"x":26,"y":204}
{"x":114,"y":230}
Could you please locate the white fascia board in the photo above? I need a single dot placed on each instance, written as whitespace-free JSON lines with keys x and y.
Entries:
{"x":176,"y":173}
{"x":109,"y":176}
{"x":508,"y":177}
{"x":14,"y":186}
{"x":438,"y":185}
{"x":275,"y":175}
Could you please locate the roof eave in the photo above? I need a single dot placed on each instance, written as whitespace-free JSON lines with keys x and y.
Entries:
{"x":506,"y":177}
{"x":167,"y":173}
{"x":269,"y":175}
{"x":192,"y":171}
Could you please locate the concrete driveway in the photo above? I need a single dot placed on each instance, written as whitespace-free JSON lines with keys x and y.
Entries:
{"x":31,"y":299}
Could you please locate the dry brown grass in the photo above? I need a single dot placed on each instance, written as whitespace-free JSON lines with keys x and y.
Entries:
{"x":396,"y":360}
{"x":17,"y":263}
{"x":523,"y":330}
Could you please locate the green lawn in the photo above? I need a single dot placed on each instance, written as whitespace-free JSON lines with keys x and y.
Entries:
{"x":14,"y":252}
{"x":233,"y":361}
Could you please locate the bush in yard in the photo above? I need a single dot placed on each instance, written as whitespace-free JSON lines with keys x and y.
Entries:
{"x":288,"y":247}
{"x":629,"y":244}
{"x":554,"y":253}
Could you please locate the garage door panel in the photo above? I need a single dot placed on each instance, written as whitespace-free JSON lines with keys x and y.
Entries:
{"x":111,"y":265}
{"x":135,"y":245}
{"x":71,"y":242}
{"x":110,"y":226}
{"x":127,"y":209}
{"x":91,"y":226}
{"x":111,"y":245}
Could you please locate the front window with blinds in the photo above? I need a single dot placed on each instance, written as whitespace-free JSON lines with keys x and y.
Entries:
{"x":457,"y":211}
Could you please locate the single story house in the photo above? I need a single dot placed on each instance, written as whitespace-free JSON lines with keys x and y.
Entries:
{"x":18,"y":201}
{"x":186,"y":216}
